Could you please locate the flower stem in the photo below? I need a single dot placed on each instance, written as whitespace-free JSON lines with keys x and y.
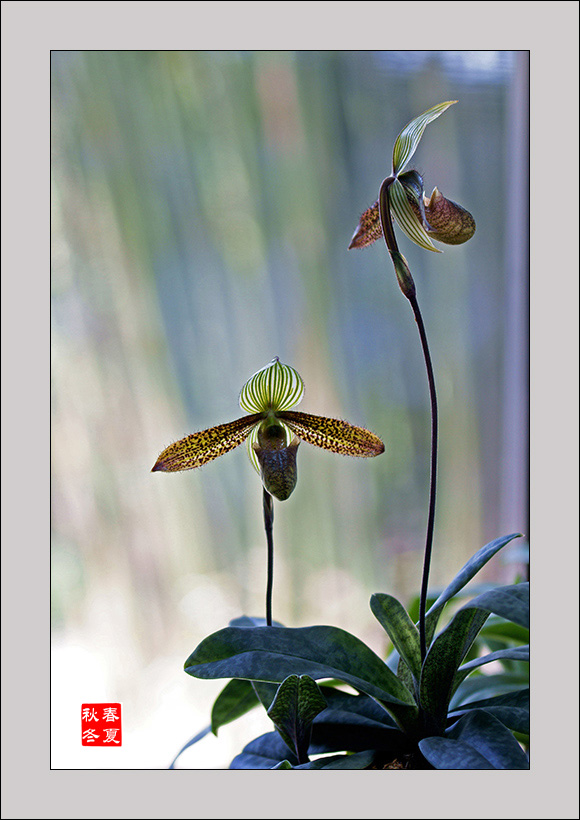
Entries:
{"x":407,"y":286}
{"x":268,"y":504}
{"x":433,"y":478}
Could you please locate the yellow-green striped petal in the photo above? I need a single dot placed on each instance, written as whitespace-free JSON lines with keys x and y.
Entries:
{"x":200,"y":448}
{"x":333,"y":434}
{"x":407,"y":219}
{"x":408,"y":140}
{"x":274,"y":387}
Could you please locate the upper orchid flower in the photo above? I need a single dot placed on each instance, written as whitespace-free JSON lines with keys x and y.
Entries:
{"x":273,"y":431}
{"x":422,"y":218}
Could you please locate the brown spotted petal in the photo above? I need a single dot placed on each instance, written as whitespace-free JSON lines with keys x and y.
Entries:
{"x":333,"y":434}
{"x":448,"y":221}
{"x":368,"y":229}
{"x":200,"y":448}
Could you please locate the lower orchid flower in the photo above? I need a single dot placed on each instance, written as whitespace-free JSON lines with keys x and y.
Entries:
{"x":273,"y":431}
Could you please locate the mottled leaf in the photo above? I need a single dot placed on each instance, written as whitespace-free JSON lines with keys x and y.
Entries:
{"x":393,"y":617}
{"x":296,"y":704}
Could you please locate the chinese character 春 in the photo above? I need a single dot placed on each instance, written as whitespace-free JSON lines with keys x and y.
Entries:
{"x":110,"y":713}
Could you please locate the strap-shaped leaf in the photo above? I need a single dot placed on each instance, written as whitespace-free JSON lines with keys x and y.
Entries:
{"x":488,"y":736}
{"x":333,"y":434}
{"x":236,"y":698}
{"x":275,"y":387}
{"x":512,"y":709}
{"x":297,"y":702}
{"x":514,"y":653}
{"x":407,"y":219}
{"x":196,"y":739}
{"x":510,"y":602}
{"x":408,"y":140}
{"x":392,"y":615}
{"x":463,"y":577}
{"x":442,"y":661}
{"x":200,"y":448}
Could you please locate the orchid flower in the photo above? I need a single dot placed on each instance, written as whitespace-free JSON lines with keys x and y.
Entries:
{"x":273,"y":432}
{"x":421,"y":218}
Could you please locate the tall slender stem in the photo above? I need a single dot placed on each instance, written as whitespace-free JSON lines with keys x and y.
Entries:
{"x":433,"y":478}
{"x":268,"y":504}
{"x":407,"y":286}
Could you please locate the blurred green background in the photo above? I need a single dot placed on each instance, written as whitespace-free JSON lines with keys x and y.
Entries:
{"x":202,"y":207}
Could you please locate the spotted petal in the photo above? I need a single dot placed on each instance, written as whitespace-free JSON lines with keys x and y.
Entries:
{"x":333,"y":434}
{"x":275,"y":387}
{"x":200,"y":448}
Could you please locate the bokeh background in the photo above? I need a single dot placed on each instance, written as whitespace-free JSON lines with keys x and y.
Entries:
{"x":202,"y":207}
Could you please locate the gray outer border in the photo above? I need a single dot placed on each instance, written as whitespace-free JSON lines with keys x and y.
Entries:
{"x":30,"y":30}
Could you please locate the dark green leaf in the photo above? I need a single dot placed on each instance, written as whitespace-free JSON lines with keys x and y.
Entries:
{"x":442,"y":661}
{"x":297,"y":702}
{"x":393,"y":617}
{"x":465,"y":574}
{"x":510,"y":602}
{"x":235,"y":699}
{"x":517,"y":653}
{"x":264,"y":752}
{"x":478,"y":686}
{"x":189,"y":743}
{"x":505,"y":631}
{"x":285,"y":764}
{"x":443,"y":753}
{"x":512,"y":709}
{"x":488,"y":736}
{"x":520,"y":699}
{"x":272,"y":653}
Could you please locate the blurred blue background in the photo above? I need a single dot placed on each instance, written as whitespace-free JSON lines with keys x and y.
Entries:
{"x":202,"y":207}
